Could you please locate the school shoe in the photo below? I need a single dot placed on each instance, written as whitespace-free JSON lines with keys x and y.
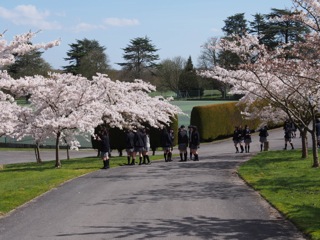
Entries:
{"x":105,"y":165}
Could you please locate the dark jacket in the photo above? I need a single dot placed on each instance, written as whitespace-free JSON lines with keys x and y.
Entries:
{"x":195,"y":138}
{"x":139,"y":139}
{"x":237,"y":135}
{"x":129,"y":140}
{"x":105,"y":142}
{"x":166,"y":140}
{"x":183,"y":137}
{"x":246,"y":133}
{"x":263,"y":132}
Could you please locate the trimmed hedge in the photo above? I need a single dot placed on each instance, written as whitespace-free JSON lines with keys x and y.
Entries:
{"x":217,"y":121}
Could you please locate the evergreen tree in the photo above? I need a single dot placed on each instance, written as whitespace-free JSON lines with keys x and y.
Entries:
{"x":260,"y":26}
{"x":236,"y":24}
{"x":87,"y":57}
{"x":29,"y":64}
{"x":139,"y":55}
{"x":188,"y":81}
{"x":285,"y":31}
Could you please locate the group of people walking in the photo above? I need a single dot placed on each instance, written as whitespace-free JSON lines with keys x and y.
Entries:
{"x":186,"y":138}
{"x":242,"y":138}
{"x":138,"y":144}
{"x":191,"y":139}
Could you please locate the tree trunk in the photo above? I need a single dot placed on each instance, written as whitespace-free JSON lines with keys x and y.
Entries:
{"x":120,"y":152}
{"x":58,"y":162}
{"x":68,"y":154}
{"x":37,"y":152}
{"x":304,"y":143}
{"x":315,"y":149}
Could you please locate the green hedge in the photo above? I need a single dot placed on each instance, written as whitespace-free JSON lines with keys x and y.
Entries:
{"x":218,"y":120}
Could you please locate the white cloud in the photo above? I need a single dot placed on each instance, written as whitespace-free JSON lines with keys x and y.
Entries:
{"x":85,"y":27}
{"x":29,"y":15}
{"x":108,"y":22}
{"x":120,"y":22}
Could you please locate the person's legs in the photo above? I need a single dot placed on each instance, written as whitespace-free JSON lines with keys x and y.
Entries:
{"x":196,"y":155}
{"x":241,"y":147}
{"x":129,"y":155}
{"x":165,"y":155}
{"x":133,"y":161}
{"x":169,"y":155}
{"x":140,"y":158}
{"x":285,"y":144}
{"x":291,"y":144}
{"x":105,"y":159}
{"x":236,"y":146}
{"x":181,"y":156}
{"x":147,"y":158}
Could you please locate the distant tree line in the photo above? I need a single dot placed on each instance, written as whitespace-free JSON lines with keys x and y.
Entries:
{"x":141,"y":61}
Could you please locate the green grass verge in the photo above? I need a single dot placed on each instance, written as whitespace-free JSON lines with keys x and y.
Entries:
{"x":22,"y":182}
{"x":289,"y":184}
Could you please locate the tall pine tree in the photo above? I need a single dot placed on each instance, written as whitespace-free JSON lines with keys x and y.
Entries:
{"x":188,"y":81}
{"x":139,"y":55}
{"x":87,"y":57}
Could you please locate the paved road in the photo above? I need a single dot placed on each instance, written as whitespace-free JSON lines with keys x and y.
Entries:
{"x":192,"y":200}
{"x":21,"y":156}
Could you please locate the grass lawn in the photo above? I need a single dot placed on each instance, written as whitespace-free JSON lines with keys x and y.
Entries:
{"x":289,"y":184}
{"x":24,"y":181}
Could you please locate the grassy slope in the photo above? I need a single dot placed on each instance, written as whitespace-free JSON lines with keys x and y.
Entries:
{"x":288,"y":183}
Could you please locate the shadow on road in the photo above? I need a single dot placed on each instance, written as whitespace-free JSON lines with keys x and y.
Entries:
{"x":199,"y":227}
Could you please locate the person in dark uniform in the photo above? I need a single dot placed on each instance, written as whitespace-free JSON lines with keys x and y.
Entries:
{"x":138,"y":145}
{"x":189,"y":134}
{"x":237,"y":139}
{"x":288,"y":138}
{"x":166,"y":143}
{"x":105,"y":147}
{"x":263,"y":134}
{"x":129,"y":145}
{"x":183,"y":141}
{"x":195,"y":143}
{"x":247,"y":138}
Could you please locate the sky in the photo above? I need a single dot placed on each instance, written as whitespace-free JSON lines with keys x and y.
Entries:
{"x":175,"y":27}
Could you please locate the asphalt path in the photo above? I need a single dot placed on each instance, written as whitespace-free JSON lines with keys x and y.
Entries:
{"x":21,"y":156}
{"x":174,"y":200}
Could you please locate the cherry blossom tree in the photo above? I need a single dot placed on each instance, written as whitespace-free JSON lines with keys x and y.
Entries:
{"x":21,"y":44}
{"x":128,"y":104}
{"x":64,"y":105}
{"x":286,"y":79}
